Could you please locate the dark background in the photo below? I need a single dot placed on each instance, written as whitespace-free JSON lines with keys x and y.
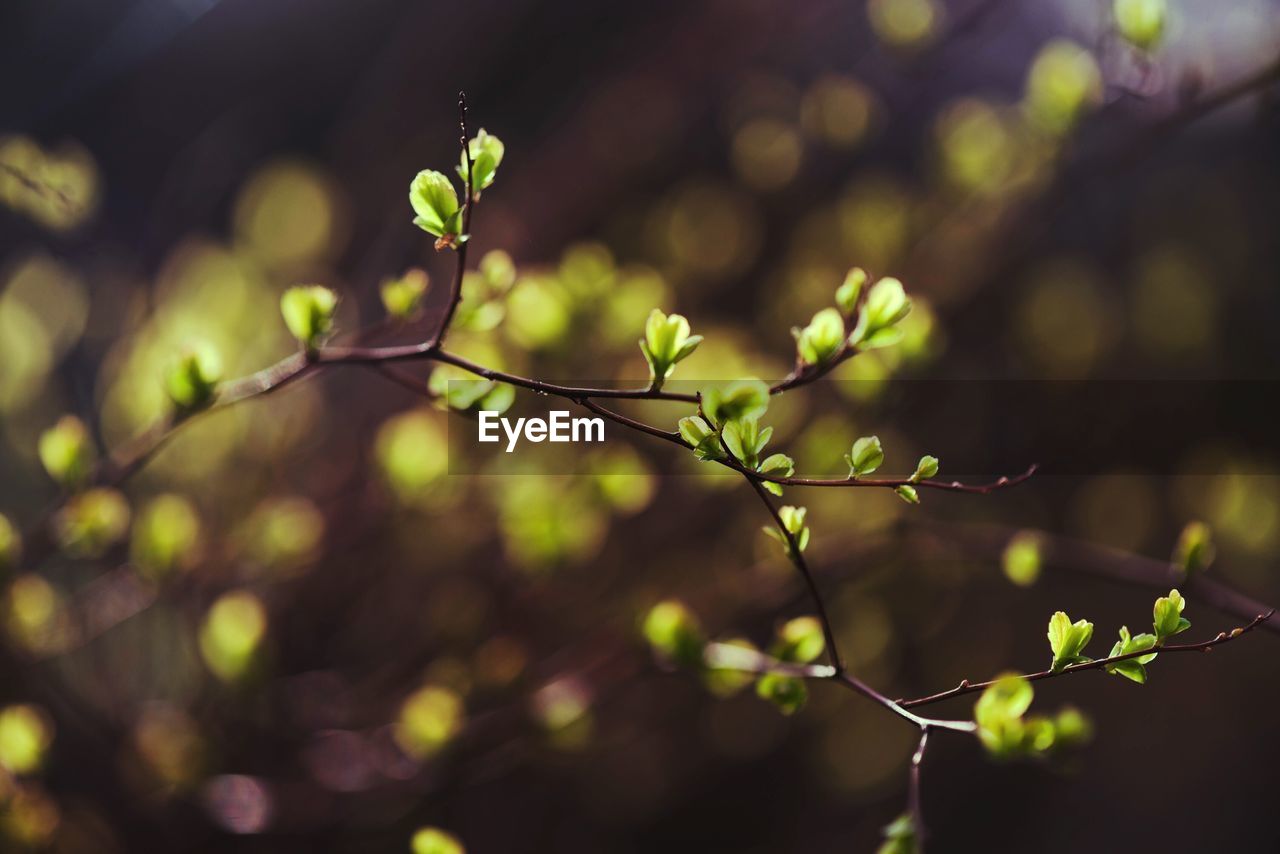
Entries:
{"x":620,"y":121}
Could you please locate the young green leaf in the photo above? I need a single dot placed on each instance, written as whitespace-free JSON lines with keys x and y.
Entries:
{"x":926,"y":468}
{"x":1067,"y":640}
{"x":666,"y":341}
{"x":998,"y":714}
{"x":886,"y":304}
{"x":746,"y":440}
{"x":866,"y":456}
{"x":787,"y":693}
{"x":907,"y":493}
{"x":435,"y":202}
{"x":735,"y":400}
{"x":402,"y":297}
{"x":66,"y":451}
{"x":1071,"y":727}
{"x":699,"y":435}
{"x":193,"y":381}
{"x":849,"y":291}
{"x":1168,"y":620}
{"x":92,"y":521}
{"x":486,"y":152}
{"x":1194,"y":551}
{"x":433,"y":840}
{"x":800,"y":641}
{"x":674,"y":633}
{"x":1141,"y":22}
{"x":793,"y":522}
{"x":821,"y":339}
{"x":776,"y":465}
{"x":900,"y":837}
{"x":308,"y":312}
{"x":1021,"y":559}
{"x":1132,"y":668}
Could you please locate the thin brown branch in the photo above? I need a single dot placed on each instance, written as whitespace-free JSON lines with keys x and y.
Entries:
{"x":460,"y":247}
{"x":967,"y":687}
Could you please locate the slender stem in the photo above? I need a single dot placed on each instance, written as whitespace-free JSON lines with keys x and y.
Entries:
{"x":469,"y":202}
{"x":914,"y":806}
{"x":797,"y":559}
{"x":967,"y":687}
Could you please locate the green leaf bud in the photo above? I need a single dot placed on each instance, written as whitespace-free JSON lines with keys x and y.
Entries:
{"x":1167,"y":616}
{"x":788,"y":693}
{"x":402,"y":297}
{"x":674,"y":633}
{"x":907,"y":493}
{"x":1194,"y":551}
{"x":800,"y":641}
{"x":92,"y":522}
{"x":1132,"y":668}
{"x":701,"y":437}
{"x":735,"y":400}
{"x":666,"y":341}
{"x":1141,"y":22}
{"x":66,"y":452}
{"x":866,"y":456}
{"x":308,"y":312}
{"x":886,"y":304}
{"x":821,"y":339}
{"x":486,"y":152}
{"x":193,"y":382}
{"x":1067,"y":640}
{"x":849,"y":291}
{"x":1021,"y":559}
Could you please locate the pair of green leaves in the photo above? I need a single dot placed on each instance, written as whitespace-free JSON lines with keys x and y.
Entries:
{"x":435,"y":201}
{"x":308,"y":311}
{"x":793,"y":522}
{"x":486,"y":152}
{"x":746,"y":441}
{"x":666,"y":341}
{"x":1167,"y":621}
{"x":877,"y":325}
{"x":1067,"y":640}
{"x":824,"y":337}
{"x":867,"y":455}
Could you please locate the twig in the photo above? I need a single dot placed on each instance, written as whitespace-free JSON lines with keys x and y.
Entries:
{"x":914,"y":806}
{"x":967,"y":687}
{"x":460,"y":270}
